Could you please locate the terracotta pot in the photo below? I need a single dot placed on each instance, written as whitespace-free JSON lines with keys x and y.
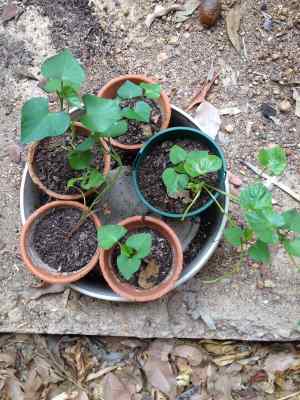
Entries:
{"x":80,"y":129}
{"x":109,"y":91}
{"x":32,"y":260}
{"x":130,"y":292}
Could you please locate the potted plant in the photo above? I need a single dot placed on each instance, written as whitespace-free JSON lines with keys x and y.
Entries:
{"x":140,"y":258}
{"x":144,"y":105}
{"x":179,"y":172}
{"x":59,"y":242}
{"x":68,"y":159}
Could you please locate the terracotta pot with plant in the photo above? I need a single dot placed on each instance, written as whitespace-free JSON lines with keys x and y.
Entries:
{"x":59,"y":242}
{"x":146,"y":108}
{"x":141,"y":258}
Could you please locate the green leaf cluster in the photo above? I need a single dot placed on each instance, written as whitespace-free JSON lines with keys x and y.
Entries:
{"x":264,"y":224}
{"x":187,"y":168}
{"x":132,"y":252}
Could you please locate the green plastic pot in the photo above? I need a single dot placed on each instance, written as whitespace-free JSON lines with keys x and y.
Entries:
{"x":172,"y":134}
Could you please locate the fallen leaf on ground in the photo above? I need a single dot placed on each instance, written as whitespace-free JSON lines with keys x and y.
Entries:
{"x":78,"y":359}
{"x":52,"y":289}
{"x":233,"y":21}
{"x":189,"y":8}
{"x":147,"y":276}
{"x":191,"y":353}
{"x":14,"y":152}
{"x":14,"y":389}
{"x":96,"y":375}
{"x":208,"y":119}
{"x":159,"y":374}
{"x":9,"y":12}
{"x":160,"y":11}
{"x":235,"y":180}
{"x":114,"y":388}
{"x":33,"y":385}
{"x":230,"y":110}
{"x":8,"y":359}
{"x":296,"y":97}
{"x":218,"y":348}
{"x":230,"y":358}
{"x":160,"y":349}
{"x":281,"y":362}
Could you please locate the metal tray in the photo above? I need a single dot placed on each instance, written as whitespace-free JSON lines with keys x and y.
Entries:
{"x":93,"y":285}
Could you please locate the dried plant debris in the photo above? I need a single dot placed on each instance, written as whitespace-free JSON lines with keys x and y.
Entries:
{"x":159,"y":12}
{"x":73,"y":368}
{"x":233,"y":21}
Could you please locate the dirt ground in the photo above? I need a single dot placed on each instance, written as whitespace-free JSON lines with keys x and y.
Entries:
{"x":110,"y":38}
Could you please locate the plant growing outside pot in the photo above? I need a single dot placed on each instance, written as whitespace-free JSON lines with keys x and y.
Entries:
{"x":179,"y":172}
{"x":263,"y":226}
{"x":59,"y":242}
{"x":145,"y":106}
{"x":141,"y":257}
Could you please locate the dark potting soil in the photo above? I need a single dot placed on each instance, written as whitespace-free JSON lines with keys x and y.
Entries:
{"x":139,"y":132}
{"x":161,"y":255}
{"x":152,"y":168}
{"x":60,"y":247}
{"x":52,"y":165}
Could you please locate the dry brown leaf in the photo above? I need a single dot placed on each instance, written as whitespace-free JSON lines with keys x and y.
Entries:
{"x":160,"y":11}
{"x":218,"y":348}
{"x":148,"y":275}
{"x":96,"y":375}
{"x":77,"y":358}
{"x":281,"y":362}
{"x":114,"y":388}
{"x":8,"y":358}
{"x":160,"y":375}
{"x":14,"y":389}
{"x":9,"y":11}
{"x":160,"y":349}
{"x":191,"y":353}
{"x":33,"y":385}
{"x":230,"y":358}
{"x":233,"y":21}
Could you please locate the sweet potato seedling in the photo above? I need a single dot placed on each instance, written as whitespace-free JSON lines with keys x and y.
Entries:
{"x":132,"y":252}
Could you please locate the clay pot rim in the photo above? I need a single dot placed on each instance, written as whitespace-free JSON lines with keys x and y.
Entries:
{"x":59,"y":196}
{"x":56,"y":277}
{"x":166,"y":113}
{"x":128,"y":291}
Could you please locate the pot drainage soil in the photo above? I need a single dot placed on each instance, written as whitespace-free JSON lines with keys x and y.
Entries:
{"x":154,"y":268}
{"x":139,"y":132}
{"x":61,"y":248}
{"x":52,"y":166}
{"x":152,"y":168}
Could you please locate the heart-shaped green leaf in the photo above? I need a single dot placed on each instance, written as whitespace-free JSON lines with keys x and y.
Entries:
{"x":141,"y":242}
{"x":79,"y":160}
{"x":141,"y":112}
{"x":255,"y":197}
{"x":116,"y":129}
{"x":109,"y":235}
{"x":259,"y":251}
{"x":177,"y":154}
{"x":234,"y":235}
{"x":174,"y":182}
{"x":129,"y":90}
{"x":93,"y":180}
{"x":65,"y":68}
{"x":87,"y":144}
{"x":38,"y":123}
{"x":200,"y":163}
{"x":152,"y":90}
{"x":292,"y":247}
{"x":292,"y":220}
{"x":263,"y":228}
{"x":273,"y":159}
{"x":100,"y":114}
{"x":128,"y":266}
{"x":71,"y":96}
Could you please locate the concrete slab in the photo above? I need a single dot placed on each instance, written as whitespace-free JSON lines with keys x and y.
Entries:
{"x":252,"y":304}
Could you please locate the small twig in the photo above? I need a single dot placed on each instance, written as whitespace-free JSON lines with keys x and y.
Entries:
{"x":289,"y":396}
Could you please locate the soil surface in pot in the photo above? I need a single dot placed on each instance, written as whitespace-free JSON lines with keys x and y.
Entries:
{"x":52,"y":166}
{"x":139,"y":132}
{"x":152,"y":168}
{"x":154,"y":268}
{"x":59,"y":241}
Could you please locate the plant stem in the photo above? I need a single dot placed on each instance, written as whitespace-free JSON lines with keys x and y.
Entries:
{"x":231,"y":196}
{"x":191,"y":204}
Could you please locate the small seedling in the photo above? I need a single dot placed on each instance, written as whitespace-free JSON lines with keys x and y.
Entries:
{"x":264,"y":226}
{"x":132,"y":252}
{"x":188,"y":173}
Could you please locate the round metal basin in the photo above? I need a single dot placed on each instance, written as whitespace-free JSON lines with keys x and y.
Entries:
{"x":93,"y":285}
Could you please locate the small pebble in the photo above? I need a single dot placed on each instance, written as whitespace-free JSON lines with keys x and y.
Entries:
{"x":285,"y":106}
{"x":229,"y":128}
{"x":14,"y":152}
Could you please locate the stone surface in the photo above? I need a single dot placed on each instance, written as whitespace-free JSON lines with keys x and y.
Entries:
{"x":232,"y":306}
